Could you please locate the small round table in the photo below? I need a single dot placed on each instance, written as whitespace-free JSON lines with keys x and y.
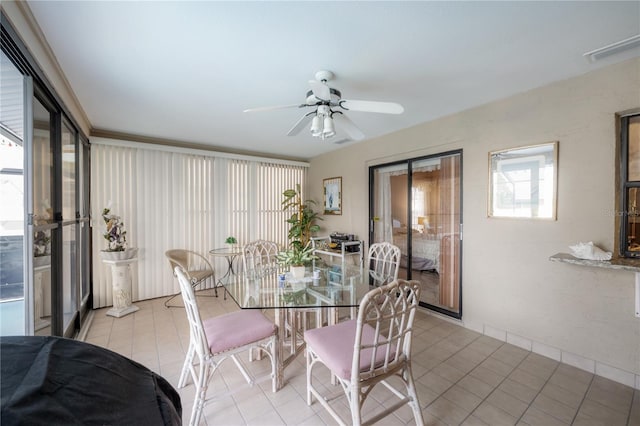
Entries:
{"x":230,"y":253}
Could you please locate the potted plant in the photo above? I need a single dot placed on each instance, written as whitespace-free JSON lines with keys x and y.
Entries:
{"x":302,"y":226}
{"x":297,"y":257}
{"x":231,"y":241}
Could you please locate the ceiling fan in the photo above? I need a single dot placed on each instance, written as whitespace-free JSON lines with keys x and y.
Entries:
{"x":328,"y":106}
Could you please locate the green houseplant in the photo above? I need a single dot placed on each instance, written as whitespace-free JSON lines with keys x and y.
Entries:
{"x":301,"y":226}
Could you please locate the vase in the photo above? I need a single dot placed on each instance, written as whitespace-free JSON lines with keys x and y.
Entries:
{"x":125,"y":254}
{"x":297,"y":272}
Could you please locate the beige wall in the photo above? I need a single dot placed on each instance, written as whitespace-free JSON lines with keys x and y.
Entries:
{"x":509,"y":285}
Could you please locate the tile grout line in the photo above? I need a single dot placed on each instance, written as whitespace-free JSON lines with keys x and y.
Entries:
{"x":495,"y":387}
{"x":455,"y":383}
{"x":584,"y":397}
{"x":540,"y":391}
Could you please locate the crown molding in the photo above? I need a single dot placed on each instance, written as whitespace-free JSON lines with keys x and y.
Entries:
{"x":129,"y":137}
{"x":51,"y":60}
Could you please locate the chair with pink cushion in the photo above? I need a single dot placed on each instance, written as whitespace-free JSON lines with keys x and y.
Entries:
{"x":217,"y":339}
{"x":373,"y":349}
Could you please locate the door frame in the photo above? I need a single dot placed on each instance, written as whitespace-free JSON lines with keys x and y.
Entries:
{"x":409,"y":162}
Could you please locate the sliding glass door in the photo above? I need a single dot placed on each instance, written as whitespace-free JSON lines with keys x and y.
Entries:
{"x":14,"y":295}
{"x":416,"y":205}
{"x":44,"y":216}
{"x":44,"y":227}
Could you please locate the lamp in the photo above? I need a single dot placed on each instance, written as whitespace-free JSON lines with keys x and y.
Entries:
{"x":316,"y":126}
{"x":322,"y":123}
{"x":328,"y":130}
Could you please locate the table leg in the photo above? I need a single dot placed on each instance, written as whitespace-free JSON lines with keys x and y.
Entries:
{"x":230,"y":271}
{"x":280,"y":318}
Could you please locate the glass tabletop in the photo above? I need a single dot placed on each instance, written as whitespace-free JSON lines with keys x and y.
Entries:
{"x":331,"y":288}
{"x":226,"y":251}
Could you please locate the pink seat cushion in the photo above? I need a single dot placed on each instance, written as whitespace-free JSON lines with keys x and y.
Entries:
{"x":334,"y":346}
{"x":237,"y":329}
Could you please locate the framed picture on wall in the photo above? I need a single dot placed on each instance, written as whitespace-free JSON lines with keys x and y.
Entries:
{"x":332,"y":195}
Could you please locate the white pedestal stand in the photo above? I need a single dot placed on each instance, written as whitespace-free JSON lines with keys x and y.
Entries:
{"x":38,"y":308}
{"x":121,"y":284}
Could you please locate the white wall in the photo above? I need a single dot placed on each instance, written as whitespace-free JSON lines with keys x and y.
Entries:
{"x":509,"y":285}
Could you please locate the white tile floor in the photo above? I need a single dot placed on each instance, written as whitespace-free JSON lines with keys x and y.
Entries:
{"x":463,"y":377}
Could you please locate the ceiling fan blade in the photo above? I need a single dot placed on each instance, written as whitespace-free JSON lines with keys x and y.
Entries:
{"x":304,"y":120}
{"x":320,"y":90}
{"x":270,"y":108}
{"x":372,"y":106}
{"x":347,"y":125}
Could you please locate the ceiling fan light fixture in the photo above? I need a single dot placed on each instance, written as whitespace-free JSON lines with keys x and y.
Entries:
{"x":328,"y":101}
{"x":316,"y":126}
{"x":328,"y":129}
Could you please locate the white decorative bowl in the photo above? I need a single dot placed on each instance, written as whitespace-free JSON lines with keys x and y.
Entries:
{"x":129,"y":253}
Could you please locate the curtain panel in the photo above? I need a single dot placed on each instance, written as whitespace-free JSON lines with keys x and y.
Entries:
{"x":182,"y":200}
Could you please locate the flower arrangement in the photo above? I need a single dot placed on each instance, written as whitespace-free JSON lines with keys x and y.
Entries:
{"x":41,"y":240}
{"x":231,"y":240}
{"x":115,"y":233}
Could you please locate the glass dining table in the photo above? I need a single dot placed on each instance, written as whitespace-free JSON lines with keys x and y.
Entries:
{"x":328,"y":289}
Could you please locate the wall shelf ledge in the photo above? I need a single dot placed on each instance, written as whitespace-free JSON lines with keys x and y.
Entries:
{"x":632,"y":265}
{"x":624,"y":264}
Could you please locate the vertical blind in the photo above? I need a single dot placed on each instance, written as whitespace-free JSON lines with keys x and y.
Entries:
{"x":183,"y":200}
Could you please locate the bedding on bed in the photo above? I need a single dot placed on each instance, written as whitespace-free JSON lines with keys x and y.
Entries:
{"x":425,"y":249}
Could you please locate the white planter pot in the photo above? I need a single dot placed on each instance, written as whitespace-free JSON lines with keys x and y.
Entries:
{"x":297,"y":272}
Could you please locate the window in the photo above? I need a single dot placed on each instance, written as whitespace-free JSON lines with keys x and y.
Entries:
{"x":630,"y":185}
{"x":523,"y":182}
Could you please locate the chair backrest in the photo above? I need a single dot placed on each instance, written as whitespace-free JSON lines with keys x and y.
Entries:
{"x":178,"y":258}
{"x":190,"y":262}
{"x":384,"y":329}
{"x":260,"y":257}
{"x":196,"y":330}
{"x":384,"y":262}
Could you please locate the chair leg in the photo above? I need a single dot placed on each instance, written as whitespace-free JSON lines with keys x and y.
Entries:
{"x":201,"y":392}
{"x":187,"y":366}
{"x":166,"y":302}
{"x":354,"y":404}
{"x":411,"y":390}
{"x":309,"y":361}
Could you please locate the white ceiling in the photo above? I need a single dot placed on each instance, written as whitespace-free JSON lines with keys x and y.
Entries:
{"x":185,"y":71}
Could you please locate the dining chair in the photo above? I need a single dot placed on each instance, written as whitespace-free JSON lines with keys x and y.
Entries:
{"x":195,"y":266}
{"x":384,"y":263}
{"x":373,"y":349}
{"x":260,"y":257}
{"x":223,"y":337}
